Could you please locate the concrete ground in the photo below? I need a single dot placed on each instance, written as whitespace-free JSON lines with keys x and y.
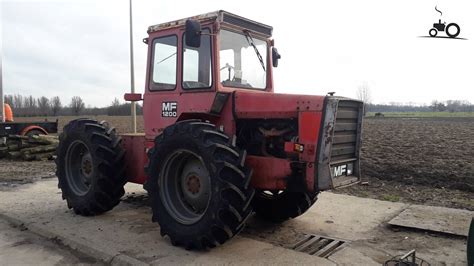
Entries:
{"x":126,"y":235}
{"x":18,"y":246}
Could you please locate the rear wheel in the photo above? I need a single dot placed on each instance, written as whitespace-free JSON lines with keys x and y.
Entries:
{"x":453,"y":30}
{"x":198,"y":185}
{"x":34,"y":132}
{"x":278,"y":206}
{"x":90,"y":167}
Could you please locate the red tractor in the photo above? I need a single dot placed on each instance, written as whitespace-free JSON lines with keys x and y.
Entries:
{"x":219,"y":144}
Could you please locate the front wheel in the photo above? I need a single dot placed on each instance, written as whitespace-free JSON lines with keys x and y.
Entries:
{"x":279,"y":206}
{"x":198,"y":185}
{"x":433,"y":32}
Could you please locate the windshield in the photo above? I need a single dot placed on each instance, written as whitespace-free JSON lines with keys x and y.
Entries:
{"x":243,"y":60}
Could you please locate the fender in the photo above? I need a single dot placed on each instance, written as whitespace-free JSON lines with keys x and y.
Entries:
{"x":29,"y":128}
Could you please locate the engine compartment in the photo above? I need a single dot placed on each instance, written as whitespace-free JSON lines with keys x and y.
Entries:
{"x":267,"y":137}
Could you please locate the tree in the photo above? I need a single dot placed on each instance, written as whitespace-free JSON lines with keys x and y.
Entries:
{"x":453,"y":105}
{"x":363,"y":94}
{"x":43,"y":105}
{"x":77,"y":105}
{"x":441,"y":107}
{"x":434,"y":105}
{"x":117,"y":108}
{"x":9,"y":100}
{"x":113,"y":109}
{"x":115,"y":102}
{"x":437,"y":106}
{"x":30,"y":105}
{"x":56,"y":105}
{"x":17,"y":101}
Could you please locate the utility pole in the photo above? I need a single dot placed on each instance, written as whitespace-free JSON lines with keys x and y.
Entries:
{"x":2,"y":108}
{"x":2,"y":113}
{"x":132,"y":74}
{"x":3,"y":140}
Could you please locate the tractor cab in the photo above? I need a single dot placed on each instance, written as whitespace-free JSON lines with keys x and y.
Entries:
{"x":218,"y":51}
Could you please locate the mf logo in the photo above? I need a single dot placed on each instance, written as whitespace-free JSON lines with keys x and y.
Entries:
{"x":340,"y":170}
{"x":169,"y":109}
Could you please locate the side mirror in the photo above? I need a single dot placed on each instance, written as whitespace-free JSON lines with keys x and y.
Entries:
{"x":275,"y":57}
{"x":193,"y":33}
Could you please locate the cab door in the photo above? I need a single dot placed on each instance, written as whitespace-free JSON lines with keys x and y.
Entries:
{"x":160,"y":107}
{"x":180,"y":80}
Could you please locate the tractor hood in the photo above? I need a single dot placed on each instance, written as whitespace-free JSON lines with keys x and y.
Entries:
{"x":249,"y":104}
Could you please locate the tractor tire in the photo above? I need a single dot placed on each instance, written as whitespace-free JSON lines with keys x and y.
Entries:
{"x":90,"y":167}
{"x":450,"y":34}
{"x":198,"y":185}
{"x":280,"y":206}
{"x":433,"y":32}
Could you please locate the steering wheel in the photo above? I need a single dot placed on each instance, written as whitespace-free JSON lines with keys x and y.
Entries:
{"x":229,"y":68}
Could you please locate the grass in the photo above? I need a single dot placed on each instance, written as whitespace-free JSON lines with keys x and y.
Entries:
{"x":424,"y":114}
{"x":392,"y":198}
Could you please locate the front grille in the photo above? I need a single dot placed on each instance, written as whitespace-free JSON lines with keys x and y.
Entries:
{"x":345,"y":144}
{"x":339,"y":143}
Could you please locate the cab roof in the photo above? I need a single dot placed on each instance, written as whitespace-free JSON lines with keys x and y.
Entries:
{"x":220,"y":16}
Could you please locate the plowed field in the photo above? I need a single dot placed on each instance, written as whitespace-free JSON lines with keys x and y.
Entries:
{"x":425,"y":160}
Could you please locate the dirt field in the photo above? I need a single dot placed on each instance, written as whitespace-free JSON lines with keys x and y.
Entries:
{"x":13,"y":174}
{"x":421,"y":160}
{"x":437,"y":152}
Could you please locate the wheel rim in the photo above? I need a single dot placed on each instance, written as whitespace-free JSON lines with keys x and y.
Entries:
{"x":184,"y":186}
{"x":79,"y":168}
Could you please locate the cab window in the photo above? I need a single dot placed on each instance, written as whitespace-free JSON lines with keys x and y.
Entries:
{"x":243,"y":60}
{"x":165,"y":51}
{"x":197,"y":63}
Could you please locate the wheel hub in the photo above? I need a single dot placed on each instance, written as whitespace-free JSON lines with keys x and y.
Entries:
{"x":185,"y":186}
{"x":193,"y":184}
{"x":79,"y":168}
{"x":86,"y":165}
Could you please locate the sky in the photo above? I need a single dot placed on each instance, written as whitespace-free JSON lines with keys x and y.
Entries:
{"x":81,"y":47}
